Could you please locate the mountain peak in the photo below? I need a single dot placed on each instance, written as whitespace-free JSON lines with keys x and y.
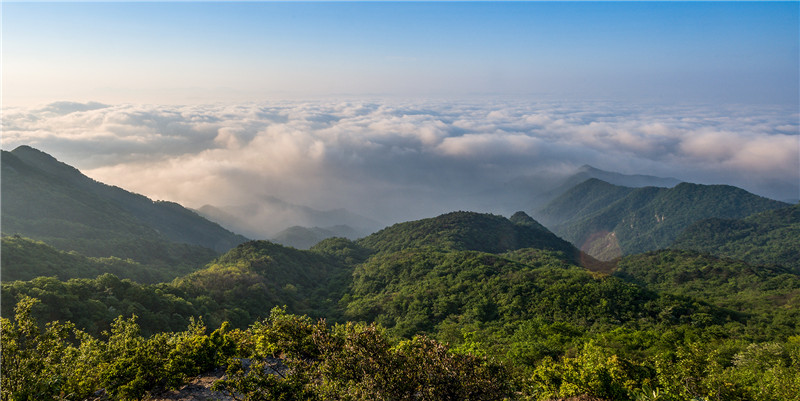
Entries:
{"x":46,"y":162}
{"x":625,"y":180}
{"x":468,"y":231}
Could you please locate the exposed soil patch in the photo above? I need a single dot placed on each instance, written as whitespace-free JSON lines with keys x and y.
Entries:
{"x":198,"y":389}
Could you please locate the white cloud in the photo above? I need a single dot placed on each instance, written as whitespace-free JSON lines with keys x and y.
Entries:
{"x":401,"y":160}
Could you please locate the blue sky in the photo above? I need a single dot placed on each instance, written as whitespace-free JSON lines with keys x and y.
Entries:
{"x":196,"y":52}
{"x":402,"y":109}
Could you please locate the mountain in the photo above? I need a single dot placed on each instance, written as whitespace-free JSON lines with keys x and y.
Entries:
{"x":503,"y":289}
{"x":305,"y":237}
{"x":25,"y":259}
{"x":469,"y":231}
{"x":534,"y":191}
{"x":626,"y":180}
{"x":607,"y":221}
{"x":581,"y":201}
{"x":249,"y":280}
{"x":769,"y":237}
{"x":269,"y":216}
{"x":47,"y":200}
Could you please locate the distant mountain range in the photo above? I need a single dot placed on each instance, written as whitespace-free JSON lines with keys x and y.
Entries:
{"x":47,"y":200}
{"x":267,"y":218}
{"x":532,"y":192}
{"x":608,"y":221}
{"x":305,"y":237}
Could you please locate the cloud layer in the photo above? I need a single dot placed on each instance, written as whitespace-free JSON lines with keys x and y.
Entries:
{"x":394,"y":160}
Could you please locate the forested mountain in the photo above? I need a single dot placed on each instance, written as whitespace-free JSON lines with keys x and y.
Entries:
{"x":532,"y":192}
{"x":469,"y":231}
{"x":240,"y":286}
{"x":771,"y":237}
{"x":581,"y":201}
{"x":587,"y":172}
{"x":626,"y":180}
{"x":47,"y":200}
{"x":504,"y":307}
{"x":608,"y":221}
{"x":459,"y":306}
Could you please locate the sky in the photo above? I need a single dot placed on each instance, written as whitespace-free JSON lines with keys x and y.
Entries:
{"x":402,"y":109}
{"x":200,"y":52}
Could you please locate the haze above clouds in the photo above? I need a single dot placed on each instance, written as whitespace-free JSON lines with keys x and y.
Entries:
{"x":415,"y":108}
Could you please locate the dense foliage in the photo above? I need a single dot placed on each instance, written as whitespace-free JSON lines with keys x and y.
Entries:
{"x":25,"y":259}
{"x":282,"y":357}
{"x":768,"y":294}
{"x":468,"y":231}
{"x":643,"y":219}
{"x":769,"y":237}
{"x":463,"y":306}
{"x":292,"y":357}
{"x":428,"y":291}
{"x":239,"y":287}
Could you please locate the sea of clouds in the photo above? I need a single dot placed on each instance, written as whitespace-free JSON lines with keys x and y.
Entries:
{"x":395,"y":160}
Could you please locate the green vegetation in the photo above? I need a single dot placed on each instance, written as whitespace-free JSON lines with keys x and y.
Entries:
{"x":461,"y":306}
{"x":769,"y":295}
{"x":25,"y":259}
{"x":50,"y":201}
{"x":468,"y":231}
{"x":282,"y":357}
{"x":609,"y":221}
{"x":256,"y":276}
{"x":765,"y":238}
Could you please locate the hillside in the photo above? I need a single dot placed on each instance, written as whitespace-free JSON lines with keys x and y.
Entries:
{"x":608,"y":221}
{"x":428,"y":291}
{"x":240,"y":287}
{"x":25,"y":259}
{"x":450,"y":295}
{"x":50,"y":201}
{"x":769,"y":237}
{"x":469,"y":231}
{"x":581,"y":201}
{"x":256,"y":276}
{"x":587,"y":172}
{"x":769,"y":292}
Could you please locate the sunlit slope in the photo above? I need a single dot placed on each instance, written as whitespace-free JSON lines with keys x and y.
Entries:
{"x":256,"y":276}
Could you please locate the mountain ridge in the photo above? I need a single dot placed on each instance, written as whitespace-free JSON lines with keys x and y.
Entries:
{"x":46,"y":199}
{"x":642,"y":219}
